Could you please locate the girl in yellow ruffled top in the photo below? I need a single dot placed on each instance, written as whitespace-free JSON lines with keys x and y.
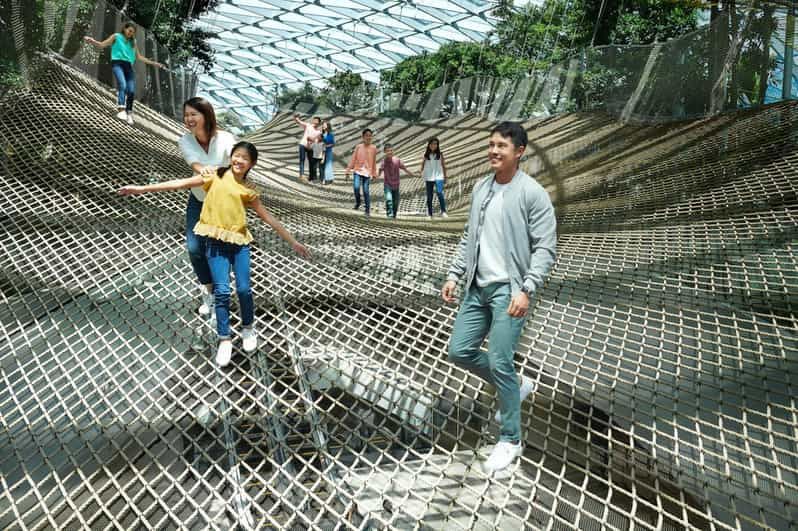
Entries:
{"x":223,"y":221}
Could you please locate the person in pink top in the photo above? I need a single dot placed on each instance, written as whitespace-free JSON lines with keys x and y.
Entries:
{"x":363,"y":166}
{"x":312,"y":134}
{"x":391,"y":166}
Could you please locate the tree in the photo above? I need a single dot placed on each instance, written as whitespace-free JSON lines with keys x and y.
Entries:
{"x":229,"y":121}
{"x":290,"y":98}
{"x":346,"y":91}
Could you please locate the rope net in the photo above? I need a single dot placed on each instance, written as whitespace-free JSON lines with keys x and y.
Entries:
{"x":663,"y":343}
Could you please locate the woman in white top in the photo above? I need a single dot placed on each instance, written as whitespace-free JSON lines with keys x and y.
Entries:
{"x":205,"y":148}
{"x":433,"y":169}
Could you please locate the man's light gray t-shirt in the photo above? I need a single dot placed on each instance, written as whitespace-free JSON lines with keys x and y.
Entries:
{"x":491,"y":264}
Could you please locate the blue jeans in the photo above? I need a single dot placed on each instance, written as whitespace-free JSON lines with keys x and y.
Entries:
{"x":302,"y":152}
{"x":194,"y":243}
{"x":125,"y":84}
{"x":223,"y":256}
{"x":328,"y":166}
{"x":436,"y":187}
{"x":391,"y":201}
{"x":483,"y":312}
{"x":357,"y":181}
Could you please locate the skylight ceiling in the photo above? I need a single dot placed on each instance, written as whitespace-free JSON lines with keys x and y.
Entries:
{"x":266,"y":43}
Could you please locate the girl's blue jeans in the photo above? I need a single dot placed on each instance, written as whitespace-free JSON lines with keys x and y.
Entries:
{"x":222,"y":257}
{"x":125,"y":84}
{"x":436,"y":187}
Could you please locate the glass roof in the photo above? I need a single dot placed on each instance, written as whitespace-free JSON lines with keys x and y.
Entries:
{"x":262,"y":44}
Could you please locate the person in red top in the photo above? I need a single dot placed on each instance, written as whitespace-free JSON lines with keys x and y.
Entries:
{"x":391,"y":165}
{"x":312,"y":133}
{"x":364,"y":167}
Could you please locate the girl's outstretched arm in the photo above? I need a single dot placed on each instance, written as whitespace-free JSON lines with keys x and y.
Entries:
{"x":148,"y":61}
{"x":281,"y":231}
{"x":176,"y":184}
{"x":101,"y":44}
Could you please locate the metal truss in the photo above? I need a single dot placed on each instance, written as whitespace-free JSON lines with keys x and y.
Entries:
{"x":264,"y":44}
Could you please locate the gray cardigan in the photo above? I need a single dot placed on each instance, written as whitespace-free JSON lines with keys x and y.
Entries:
{"x":530,"y":234}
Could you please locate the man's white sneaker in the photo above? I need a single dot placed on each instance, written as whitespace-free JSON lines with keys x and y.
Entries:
{"x":503,"y":455}
{"x":429,"y":218}
{"x":249,"y":339}
{"x":130,"y":119}
{"x":122,"y":115}
{"x":207,"y":305}
{"x":224,"y":353}
{"x":444,"y":215}
{"x":528,"y":386}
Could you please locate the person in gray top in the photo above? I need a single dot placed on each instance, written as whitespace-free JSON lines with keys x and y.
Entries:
{"x":506,"y":252}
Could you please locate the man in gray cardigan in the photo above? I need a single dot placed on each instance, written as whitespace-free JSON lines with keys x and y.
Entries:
{"x":506,"y":252}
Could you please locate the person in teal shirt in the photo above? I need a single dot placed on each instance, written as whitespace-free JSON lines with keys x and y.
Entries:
{"x":123,"y":54}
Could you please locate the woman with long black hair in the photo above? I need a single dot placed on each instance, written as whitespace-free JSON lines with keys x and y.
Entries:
{"x":433,"y":169}
{"x":124,"y":53}
{"x":206,"y":149}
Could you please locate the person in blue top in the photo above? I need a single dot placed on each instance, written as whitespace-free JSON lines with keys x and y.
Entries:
{"x":123,"y":54}
{"x":329,"y":142}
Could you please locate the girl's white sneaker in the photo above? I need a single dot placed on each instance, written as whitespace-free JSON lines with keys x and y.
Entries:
{"x":249,"y":339}
{"x":224,"y":353}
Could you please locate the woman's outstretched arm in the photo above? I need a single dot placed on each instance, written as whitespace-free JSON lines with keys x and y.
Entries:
{"x":101,"y":44}
{"x":166,"y":186}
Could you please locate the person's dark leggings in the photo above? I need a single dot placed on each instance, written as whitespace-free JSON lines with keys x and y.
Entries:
{"x":302,"y":152}
{"x":435,"y":187}
{"x":125,"y":84}
{"x":315,"y":166}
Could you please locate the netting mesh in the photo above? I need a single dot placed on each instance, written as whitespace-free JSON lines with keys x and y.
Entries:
{"x":664,"y":343}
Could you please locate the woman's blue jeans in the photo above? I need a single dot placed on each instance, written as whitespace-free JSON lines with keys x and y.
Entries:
{"x":196,"y":244}
{"x":125,"y":83}
{"x":222,"y":257}
{"x":437,"y":187}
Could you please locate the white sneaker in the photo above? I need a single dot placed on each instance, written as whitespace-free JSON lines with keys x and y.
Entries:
{"x":249,"y":339}
{"x":224,"y":353}
{"x":122,"y":115}
{"x":503,"y":454}
{"x":207,"y":305}
{"x":528,"y":386}
{"x":130,"y":119}
{"x":429,"y":218}
{"x":444,"y":215}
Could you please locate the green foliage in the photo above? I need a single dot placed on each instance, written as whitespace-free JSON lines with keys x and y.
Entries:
{"x":229,"y":120}
{"x":345,"y":91}
{"x":533,"y":38}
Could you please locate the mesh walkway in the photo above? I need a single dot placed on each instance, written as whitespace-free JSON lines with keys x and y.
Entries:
{"x":664,"y":343}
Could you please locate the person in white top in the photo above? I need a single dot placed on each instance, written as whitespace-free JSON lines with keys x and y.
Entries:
{"x":311,"y":134}
{"x":433,"y":169}
{"x":205,"y":149}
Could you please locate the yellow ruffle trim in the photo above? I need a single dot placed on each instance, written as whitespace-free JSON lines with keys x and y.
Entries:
{"x":218,"y":233}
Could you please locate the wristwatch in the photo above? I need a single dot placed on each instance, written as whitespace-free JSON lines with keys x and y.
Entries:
{"x":524,"y":290}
